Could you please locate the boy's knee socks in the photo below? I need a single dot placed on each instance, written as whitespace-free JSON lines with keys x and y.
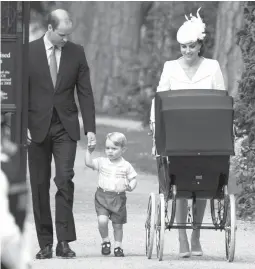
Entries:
{"x":117,"y":244}
{"x":106,"y":239}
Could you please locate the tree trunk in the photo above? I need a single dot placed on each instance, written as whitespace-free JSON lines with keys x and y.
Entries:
{"x":113,"y":41}
{"x":83,"y":14}
{"x":226,"y":51}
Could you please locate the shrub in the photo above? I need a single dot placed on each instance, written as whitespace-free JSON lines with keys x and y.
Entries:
{"x":244,"y":161}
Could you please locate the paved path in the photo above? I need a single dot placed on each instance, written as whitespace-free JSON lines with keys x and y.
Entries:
{"x":87,"y":246}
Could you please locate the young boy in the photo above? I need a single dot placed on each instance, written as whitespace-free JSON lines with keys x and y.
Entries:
{"x":116,"y":176}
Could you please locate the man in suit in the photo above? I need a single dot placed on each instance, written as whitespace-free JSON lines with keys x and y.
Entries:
{"x":56,"y":66}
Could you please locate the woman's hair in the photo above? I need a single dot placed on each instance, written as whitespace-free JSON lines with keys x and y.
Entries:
{"x":202,"y":49}
{"x":118,"y":139}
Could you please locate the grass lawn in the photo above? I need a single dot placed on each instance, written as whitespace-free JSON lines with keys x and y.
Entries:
{"x":139,"y":147}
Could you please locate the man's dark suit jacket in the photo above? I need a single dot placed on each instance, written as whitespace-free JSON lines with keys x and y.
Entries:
{"x":73,"y":71}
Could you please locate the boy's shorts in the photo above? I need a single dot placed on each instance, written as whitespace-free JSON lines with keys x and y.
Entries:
{"x":112,"y":205}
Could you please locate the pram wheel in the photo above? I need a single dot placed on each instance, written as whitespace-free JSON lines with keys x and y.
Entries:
{"x":150,"y":225}
{"x":160,"y":226}
{"x":230,"y":229}
{"x":219,"y":208}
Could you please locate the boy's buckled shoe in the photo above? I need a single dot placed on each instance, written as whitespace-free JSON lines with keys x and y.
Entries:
{"x":118,"y":252}
{"x":106,"y":248}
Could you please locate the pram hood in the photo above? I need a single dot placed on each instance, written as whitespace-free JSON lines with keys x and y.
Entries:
{"x":194,"y":122}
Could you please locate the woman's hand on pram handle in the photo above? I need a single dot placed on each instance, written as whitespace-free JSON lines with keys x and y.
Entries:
{"x":152,"y":129}
{"x":150,"y":133}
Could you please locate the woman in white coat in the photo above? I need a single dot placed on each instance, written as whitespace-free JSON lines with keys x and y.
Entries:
{"x":191,"y":71}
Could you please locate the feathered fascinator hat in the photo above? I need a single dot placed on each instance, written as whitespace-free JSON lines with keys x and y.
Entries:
{"x":193,"y":29}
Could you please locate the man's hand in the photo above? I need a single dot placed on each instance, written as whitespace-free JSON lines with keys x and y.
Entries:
{"x":91,"y":140}
{"x":90,"y":149}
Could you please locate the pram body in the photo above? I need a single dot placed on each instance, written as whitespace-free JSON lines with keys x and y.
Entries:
{"x":194,"y":141}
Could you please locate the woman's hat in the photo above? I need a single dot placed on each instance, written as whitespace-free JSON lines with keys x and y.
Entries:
{"x":192,"y":30}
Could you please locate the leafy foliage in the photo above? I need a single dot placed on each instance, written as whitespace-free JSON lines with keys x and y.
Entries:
{"x":244,"y":162}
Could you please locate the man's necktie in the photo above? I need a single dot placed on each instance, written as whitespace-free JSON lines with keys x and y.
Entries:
{"x":53,"y":66}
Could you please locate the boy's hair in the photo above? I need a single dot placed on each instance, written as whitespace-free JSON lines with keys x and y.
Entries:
{"x":118,"y":139}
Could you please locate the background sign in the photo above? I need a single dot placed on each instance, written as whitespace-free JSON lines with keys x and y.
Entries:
{"x":8,"y":74}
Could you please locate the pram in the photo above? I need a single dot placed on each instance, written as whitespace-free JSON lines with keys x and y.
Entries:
{"x":194,"y":141}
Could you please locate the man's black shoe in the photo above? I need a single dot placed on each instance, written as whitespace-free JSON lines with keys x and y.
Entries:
{"x":63,"y":250}
{"x":45,"y":253}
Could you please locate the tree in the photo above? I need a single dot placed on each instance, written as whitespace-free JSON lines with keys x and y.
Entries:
{"x":112,"y":37}
{"x":229,"y":20}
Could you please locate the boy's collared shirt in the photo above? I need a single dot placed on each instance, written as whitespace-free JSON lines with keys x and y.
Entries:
{"x":114,"y":177}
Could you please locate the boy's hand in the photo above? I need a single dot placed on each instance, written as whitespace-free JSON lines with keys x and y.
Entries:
{"x":128,"y":188}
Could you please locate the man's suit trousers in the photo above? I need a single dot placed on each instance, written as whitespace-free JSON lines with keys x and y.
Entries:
{"x":59,"y":145}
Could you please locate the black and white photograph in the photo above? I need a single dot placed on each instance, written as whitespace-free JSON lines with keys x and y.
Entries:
{"x":127,"y":134}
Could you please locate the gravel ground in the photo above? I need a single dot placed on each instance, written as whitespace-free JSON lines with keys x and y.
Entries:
{"x":87,"y":246}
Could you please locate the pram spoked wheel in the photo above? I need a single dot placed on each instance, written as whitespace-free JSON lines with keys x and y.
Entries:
{"x":160,"y":226}
{"x":223,"y":211}
{"x":150,"y":225}
{"x":230,"y":228}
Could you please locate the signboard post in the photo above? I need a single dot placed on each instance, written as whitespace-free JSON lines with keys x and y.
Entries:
{"x":14,"y":98}
{"x":13,"y":61}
